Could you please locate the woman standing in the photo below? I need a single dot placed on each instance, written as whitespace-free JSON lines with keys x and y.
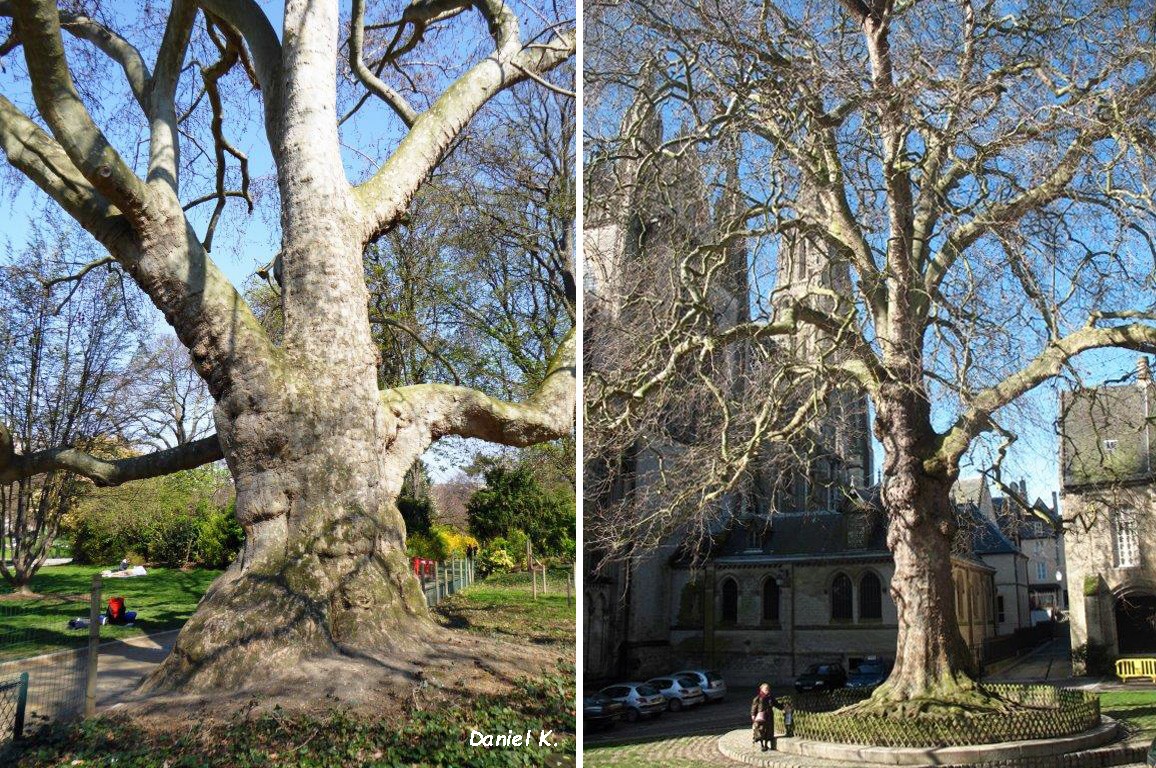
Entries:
{"x":763,"y":708}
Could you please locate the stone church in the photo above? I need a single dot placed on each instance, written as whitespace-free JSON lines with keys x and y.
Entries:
{"x":1109,"y":499}
{"x":798,"y":571}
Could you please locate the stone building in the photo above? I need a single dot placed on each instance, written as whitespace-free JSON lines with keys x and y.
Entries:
{"x":1109,"y":502}
{"x":1038,"y":532}
{"x":800,"y":588}
{"x":991,"y":542}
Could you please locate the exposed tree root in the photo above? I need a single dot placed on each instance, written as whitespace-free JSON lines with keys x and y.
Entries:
{"x":950,"y":698}
{"x":457,"y":662}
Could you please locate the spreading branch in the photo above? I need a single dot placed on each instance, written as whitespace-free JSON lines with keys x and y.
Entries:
{"x":368,"y":78}
{"x":441,"y":410}
{"x":1044,"y":366}
{"x":385,"y":196}
{"x":104,"y":472}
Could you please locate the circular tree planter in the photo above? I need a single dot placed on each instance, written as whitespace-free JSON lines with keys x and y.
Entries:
{"x":1028,"y":725}
{"x":1017,"y":713}
{"x":1014,"y":754}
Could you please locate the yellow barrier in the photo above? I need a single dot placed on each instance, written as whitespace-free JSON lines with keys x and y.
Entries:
{"x":1129,"y":668}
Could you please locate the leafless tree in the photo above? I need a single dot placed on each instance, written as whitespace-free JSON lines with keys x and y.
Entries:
{"x":170,"y":405}
{"x":936,"y":204}
{"x":63,"y":349}
{"x":317,"y":451}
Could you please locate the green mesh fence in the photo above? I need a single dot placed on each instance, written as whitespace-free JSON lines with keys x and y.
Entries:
{"x":13,"y":699}
{"x":56,"y":681}
{"x":1039,"y":712}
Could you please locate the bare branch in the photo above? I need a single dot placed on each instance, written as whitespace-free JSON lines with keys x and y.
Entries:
{"x":376,"y":85}
{"x":385,"y":196}
{"x":1048,"y":363}
{"x":39,"y":157}
{"x":439,"y":410}
{"x":104,"y":472}
{"x":59,"y":103}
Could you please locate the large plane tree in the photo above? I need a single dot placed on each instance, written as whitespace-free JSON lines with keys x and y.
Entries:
{"x":317,"y":450}
{"x":976,"y":180}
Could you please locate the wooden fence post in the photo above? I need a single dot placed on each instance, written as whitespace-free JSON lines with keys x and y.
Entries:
{"x":93,"y":647}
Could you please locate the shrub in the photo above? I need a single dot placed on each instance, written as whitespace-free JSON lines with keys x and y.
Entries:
{"x":440,"y":543}
{"x":167,"y":521}
{"x":417,"y":514}
{"x":513,"y":500}
{"x":426,"y":545}
{"x":493,"y":559}
{"x":221,"y":538}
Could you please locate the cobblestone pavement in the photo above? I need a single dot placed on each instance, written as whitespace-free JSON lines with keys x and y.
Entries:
{"x":685,"y":752}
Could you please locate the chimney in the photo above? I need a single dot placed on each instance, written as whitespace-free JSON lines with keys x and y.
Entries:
{"x":1143,"y":372}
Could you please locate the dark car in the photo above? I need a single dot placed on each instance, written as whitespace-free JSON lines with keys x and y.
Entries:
{"x":601,"y":711}
{"x":821,"y":677}
{"x":869,"y":675}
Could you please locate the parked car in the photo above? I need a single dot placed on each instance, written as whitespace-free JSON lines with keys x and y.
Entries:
{"x":601,"y":711}
{"x":869,"y":675}
{"x":639,"y":699}
{"x":821,"y":677}
{"x":714,"y":688}
{"x":680,"y":692}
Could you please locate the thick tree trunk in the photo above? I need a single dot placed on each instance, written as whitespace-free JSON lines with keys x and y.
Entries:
{"x":931,"y":658}
{"x":932,"y":662}
{"x":323,"y":572}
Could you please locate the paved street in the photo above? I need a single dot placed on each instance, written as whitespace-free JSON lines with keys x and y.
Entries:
{"x":690,"y":738}
{"x":714,"y":719}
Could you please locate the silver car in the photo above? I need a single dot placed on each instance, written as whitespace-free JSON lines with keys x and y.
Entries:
{"x":714,"y":688}
{"x":640,"y":699}
{"x":680,"y":692}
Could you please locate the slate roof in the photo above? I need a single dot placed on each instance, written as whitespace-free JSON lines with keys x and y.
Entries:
{"x":812,"y":534}
{"x":986,"y":537}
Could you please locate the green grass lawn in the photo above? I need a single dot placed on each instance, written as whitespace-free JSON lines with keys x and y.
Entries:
{"x":163,"y":599}
{"x":1137,"y":710}
{"x":503,"y":604}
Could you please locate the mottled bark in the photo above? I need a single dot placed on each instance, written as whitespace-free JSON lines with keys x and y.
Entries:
{"x":324,"y":570}
{"x":931,"y":659}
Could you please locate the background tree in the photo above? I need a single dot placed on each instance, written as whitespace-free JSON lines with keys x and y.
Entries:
{"x":63,"y":350}
{"x":316,"y":448}
{"x":166,"y":402}
{"x":513,"y":501}
{"x":178,"y":520}
{"x":969,"y":190}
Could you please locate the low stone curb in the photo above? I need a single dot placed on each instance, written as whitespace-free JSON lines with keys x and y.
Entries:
{"x":737,"y":745}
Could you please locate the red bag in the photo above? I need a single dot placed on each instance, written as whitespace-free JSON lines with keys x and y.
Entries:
{"x":115,"y":610}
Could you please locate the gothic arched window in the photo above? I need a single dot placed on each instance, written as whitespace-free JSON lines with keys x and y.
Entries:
{"x":730,"y":601}
{"x":841,"y":598}
{"x":770,"y":600}
{"x":870,"y":597}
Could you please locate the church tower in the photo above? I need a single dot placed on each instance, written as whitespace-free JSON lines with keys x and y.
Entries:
{"x":810,"y":275}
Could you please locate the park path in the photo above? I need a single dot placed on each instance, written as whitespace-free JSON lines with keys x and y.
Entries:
{"x":56,"y":680}
{"x":123,"y":663}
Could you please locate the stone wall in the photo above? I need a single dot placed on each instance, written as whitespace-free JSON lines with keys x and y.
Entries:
{"x":1096,"y":580}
